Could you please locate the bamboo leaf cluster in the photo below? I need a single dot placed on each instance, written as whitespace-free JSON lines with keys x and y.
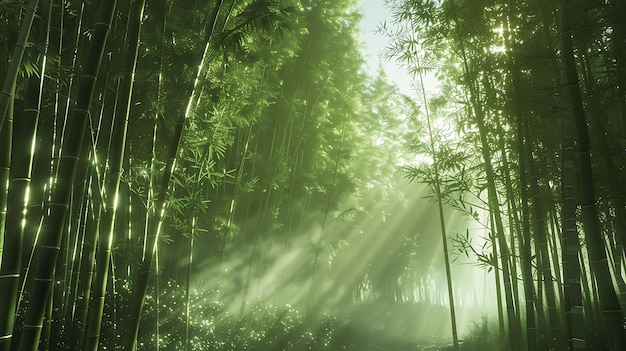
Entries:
{"x":534,"y":91}
{"x":153,"y":131}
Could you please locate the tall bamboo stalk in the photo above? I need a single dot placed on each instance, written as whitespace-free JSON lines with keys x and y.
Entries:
{"x":574,"y":318}
{"x":525,"y":243}
{"x":8,"y":88}
{"x":439,"y":196}
{"x":494,"y":204}
{"x":611,"y":310}
{"x":6,"y":141}
{"x":541,"y":233}
{"x":46,"y":254}
{"x":153,"y":230}
{"x":111,"y":188}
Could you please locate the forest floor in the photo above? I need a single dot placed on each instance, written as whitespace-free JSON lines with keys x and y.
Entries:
{"x":368,"y":344}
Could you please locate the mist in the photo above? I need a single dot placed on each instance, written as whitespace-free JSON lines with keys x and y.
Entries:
{"x":312,"y":175}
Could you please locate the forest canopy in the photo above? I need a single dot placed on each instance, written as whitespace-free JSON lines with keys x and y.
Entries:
{"x":229,"y":175}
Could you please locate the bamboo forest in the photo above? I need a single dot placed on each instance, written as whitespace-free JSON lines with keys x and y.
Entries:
{"x":291,"y":175}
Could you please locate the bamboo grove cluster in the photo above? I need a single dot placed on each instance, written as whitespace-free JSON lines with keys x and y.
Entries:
{"x":137,"y":136}
{"x":536,"y":92}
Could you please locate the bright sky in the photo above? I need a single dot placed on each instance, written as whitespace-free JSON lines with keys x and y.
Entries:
{"x":373,"y":43}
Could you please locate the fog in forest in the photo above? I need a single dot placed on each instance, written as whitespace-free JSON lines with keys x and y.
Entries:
{"x":290,"y":175}
{"x":349,"y":251}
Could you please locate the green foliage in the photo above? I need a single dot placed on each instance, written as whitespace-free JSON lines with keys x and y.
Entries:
{"x":213,"y":326}
{"x":263,"y":16}
{"x":288,"y":140}
{"x":482,"y":336}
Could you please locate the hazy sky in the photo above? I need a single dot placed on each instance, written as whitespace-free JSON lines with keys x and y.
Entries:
{"x":373,"y":43}
{"x":375,"y":13}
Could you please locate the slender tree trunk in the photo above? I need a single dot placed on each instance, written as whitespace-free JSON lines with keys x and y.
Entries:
{"x":545,"y":269}
{"x":442,"y":221}
{"x":589,"y":301}
{"x":111,"y":189}
{"x":541,"y":241}
{"x":525,"y":244}
{"x":556,"y":250}
{"x":9,"y":273}
{"x":23,"y":147}
{"x":188,"y":290}
{"x":70,"y":299}
{"x":574,"y":318}
{"x":523,"y":225}
{"x":86,"y":269}
{"x":8,"y":88}
{"x":496,"y":271}
{"x":494,"y":203}
{"x":44,"y":344}
{"x":613,"y":315}
{"x":47,"y":250}
{"x":141,"y":284}
{"x":514,"y":225}
{"x":6,"y":141}
{"x":614,"y":184}
{"x":85,"y":233}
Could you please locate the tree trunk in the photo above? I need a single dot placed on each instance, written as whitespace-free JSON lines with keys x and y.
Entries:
{"x":47,"y":250}
{"x":544,"y":268}
{"x":574,"y":318}
{"x":140,"y":286}
{"x":9,"y":257}
{"x":111,"y":188}
{"x":611,"y":310}
{"x":8,"y":88}
{"x":442,"y":221}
